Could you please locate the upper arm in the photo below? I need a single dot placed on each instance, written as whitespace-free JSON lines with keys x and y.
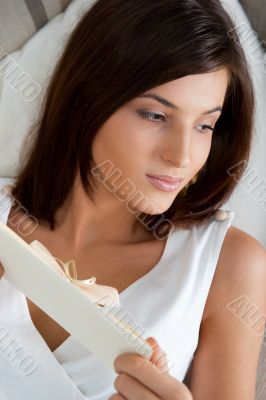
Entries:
{"x":226,"y":359}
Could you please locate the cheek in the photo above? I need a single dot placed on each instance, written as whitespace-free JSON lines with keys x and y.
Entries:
{"x":201,"y":150}
{"x":122,"y":147}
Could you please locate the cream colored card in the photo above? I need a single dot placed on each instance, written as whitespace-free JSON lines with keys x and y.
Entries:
{"x":99,"y":331}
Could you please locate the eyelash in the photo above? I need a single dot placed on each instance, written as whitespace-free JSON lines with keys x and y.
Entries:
{"x":146,"y":115}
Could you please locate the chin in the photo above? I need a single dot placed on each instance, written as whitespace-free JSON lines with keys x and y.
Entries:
{"x":156,"y":209}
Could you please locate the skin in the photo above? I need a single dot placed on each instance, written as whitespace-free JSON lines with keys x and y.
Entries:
{"x":225,"y":363}
{"x":176,"y":145}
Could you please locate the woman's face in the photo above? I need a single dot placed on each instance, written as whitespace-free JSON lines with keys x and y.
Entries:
{"x":146,"y":137}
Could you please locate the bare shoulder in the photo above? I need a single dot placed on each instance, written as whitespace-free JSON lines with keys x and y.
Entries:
{"x":225,"y":362}
{"x":241,"y":270}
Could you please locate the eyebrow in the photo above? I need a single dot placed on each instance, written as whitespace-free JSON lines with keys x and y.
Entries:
{"x":173,"y":106}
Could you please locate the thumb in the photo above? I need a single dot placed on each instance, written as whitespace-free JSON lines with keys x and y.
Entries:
{"x":158,"y":357}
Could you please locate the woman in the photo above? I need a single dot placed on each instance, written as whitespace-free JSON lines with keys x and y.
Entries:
{"x":145,"y":129}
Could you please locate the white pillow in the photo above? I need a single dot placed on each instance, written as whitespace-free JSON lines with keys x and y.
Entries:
{"x":251,"y":192}
{"x":1,"y":87}
{"x":24,"y":88}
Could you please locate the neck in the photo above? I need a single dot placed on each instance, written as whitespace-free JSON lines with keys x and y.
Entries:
{"x":81,"y":223}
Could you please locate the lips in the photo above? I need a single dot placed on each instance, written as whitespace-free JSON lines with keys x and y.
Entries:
{"x":167,"y":184}
{"x":167,"y":178}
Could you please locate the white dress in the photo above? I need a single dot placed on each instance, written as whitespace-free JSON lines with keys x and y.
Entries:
{"x":167,"y":303}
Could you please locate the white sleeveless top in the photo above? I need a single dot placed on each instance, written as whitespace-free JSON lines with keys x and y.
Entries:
{"x":167,"y":303}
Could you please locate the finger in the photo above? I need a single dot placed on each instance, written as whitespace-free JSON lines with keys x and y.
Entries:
{"x":117,"y":396}
{"x":158,"y":357}
{"x":132,"y":389}
{"x":138,"y":367}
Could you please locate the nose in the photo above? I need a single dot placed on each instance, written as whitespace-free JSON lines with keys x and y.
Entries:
{"x":178,"y":150}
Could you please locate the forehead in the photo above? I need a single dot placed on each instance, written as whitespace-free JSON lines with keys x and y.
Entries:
{"x":199,"y":91}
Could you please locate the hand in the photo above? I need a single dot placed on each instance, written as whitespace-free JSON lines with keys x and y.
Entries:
{"x":140,"y":379}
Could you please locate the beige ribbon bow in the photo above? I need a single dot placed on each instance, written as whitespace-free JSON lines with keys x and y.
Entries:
{"x":100,"y":294}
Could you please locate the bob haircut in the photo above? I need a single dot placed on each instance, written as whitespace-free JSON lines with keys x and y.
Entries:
{"x":118,"y":50}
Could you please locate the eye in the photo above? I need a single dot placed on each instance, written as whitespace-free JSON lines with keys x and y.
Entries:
{"x":150,"y":116}
{"x":158,"y":118}
{"x":205,"y":128}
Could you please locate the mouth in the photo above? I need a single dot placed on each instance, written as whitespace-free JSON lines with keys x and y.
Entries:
{"x":165,"y":183}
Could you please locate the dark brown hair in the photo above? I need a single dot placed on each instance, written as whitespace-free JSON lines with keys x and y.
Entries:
{"x":119,"y":50}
